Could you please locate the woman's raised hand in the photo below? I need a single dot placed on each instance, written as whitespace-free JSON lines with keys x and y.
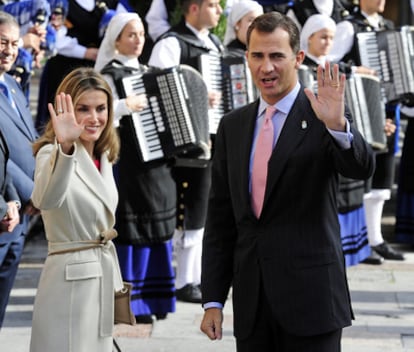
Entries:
{"x":67,"y":128}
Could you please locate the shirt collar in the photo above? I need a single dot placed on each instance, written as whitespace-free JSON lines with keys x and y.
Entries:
{"x":129,"y":61}
{"x":284,"y":105}
{"x":204,"y":36}
{"x":374,"y":20}
{"x":200,"y":34}
{"x":319,"y":60}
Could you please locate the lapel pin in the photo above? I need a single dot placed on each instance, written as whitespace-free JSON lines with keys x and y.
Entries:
{"x":304,"y":125}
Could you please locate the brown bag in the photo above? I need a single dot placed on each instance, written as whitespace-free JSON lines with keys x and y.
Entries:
{"x":123,"y":312}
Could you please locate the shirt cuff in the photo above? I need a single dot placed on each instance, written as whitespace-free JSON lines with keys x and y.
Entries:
{"x":212,"y":305}
{"x":344,"y":139}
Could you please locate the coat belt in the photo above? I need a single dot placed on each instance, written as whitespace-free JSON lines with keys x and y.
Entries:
{"x":109,"y":264}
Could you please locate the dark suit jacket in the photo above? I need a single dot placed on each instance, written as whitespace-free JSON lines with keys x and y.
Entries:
{"x":19,"y":132}
{"x":294,"y":249}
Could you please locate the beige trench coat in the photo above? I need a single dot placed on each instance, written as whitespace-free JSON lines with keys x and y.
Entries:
{"x":73,"y":310}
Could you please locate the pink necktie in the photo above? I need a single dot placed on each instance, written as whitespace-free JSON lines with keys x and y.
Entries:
{"x":264,"y":147}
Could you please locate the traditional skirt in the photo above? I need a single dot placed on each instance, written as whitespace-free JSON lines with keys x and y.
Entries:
{"x":354,"y":236}
{"x":150,"y":270}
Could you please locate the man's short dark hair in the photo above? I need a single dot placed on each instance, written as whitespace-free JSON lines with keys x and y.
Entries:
{"x":269,"y":21}
{"x":185,"y":4}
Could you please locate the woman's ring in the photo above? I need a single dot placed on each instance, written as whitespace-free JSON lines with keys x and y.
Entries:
{"x":60,"y":111}
{"x":335,"y":85}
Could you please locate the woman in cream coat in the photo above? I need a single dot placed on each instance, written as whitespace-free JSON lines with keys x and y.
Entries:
{"x":76,"y":193}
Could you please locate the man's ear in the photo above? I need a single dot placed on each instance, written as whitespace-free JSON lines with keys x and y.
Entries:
{"x":300,"y":56}
{"x":193,"y":8}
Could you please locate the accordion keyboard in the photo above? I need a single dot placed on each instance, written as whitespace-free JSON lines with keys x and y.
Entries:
{"x":164,"y":126}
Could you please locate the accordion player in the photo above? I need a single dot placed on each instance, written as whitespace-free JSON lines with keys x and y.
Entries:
{"x":230,"y":76}
{"x":391,"y":54}
{"x":168,"y":127}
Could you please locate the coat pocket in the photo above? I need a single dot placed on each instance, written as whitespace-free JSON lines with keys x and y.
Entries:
{"x":83,"y":270}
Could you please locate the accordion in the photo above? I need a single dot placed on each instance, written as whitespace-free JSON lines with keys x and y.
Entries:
{"x":391,"y":54}
{"x":306,"y":77}
{"x":231,"y":77}
{"x":167,"y":126}
{"x":364,"y":99}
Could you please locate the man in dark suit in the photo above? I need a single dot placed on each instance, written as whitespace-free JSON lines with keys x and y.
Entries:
{"x":16,"y":124}
{"x":285,"y":262}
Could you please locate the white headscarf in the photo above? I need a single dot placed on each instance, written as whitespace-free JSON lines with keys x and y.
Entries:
{"x":107,"y":49}
{"x":237,"y":12}
{"x":314,"y":24}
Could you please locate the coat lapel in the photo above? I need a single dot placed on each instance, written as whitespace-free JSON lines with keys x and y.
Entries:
{"x":298,"y":123}
{"x":100,"y":182}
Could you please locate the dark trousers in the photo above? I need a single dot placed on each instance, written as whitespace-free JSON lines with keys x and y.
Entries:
{"x":268,"y":336}
{"x":10,"y":254}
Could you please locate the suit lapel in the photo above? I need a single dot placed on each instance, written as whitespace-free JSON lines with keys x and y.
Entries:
{"x":298,"y":123}
{"x":20,"y":101}
{"x":3,"y":146}
{"x":246,"y":133}
{"x":19,"y":119}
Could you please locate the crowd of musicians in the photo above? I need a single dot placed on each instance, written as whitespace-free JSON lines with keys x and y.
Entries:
{"x":163,"y":183}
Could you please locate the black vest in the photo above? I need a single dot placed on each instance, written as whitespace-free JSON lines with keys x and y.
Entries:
{"x":191,"y":46}
{"x":303,"y":9}
{"x":84,"y":25}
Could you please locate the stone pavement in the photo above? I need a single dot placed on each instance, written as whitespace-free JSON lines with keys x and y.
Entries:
{"x":382,"y":296}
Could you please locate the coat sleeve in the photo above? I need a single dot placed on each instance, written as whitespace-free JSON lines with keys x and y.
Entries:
{"x":11,"y":191}
{"x":9,"y":194}
{"x":357,"y":162}
{"x":220,"y":231}
{"x":3,"y":207}
{"x":52,"y":176}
